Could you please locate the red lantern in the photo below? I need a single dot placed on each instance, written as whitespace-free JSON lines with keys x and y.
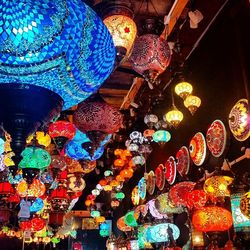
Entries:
{"x":151,"y":56}
{"x":60,"y":199}
{"x":211,"y":219}
{"x":37,"y":224}
{"x":6,"y":189}
{"x":25,"y":225}
{"x":98,"y":116}
{"x":62,"y":129}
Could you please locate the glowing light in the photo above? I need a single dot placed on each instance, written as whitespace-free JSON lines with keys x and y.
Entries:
{"x":174,"y":117}
{"x":183,"y":89}
{"x":192,"y":103}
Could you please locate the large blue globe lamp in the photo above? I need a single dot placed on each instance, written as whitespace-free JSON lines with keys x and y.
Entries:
{"x":53,"y":55}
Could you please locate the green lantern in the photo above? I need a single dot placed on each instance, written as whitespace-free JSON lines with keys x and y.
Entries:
{"x":119,"y":195}
{"x":130,"y":220}
{"x":95,"y":213}
{"x":35,"y":158}
{"x":104,"y":232}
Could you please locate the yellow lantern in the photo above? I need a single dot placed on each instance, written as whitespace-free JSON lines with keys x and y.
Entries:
{"x":174,"y":116}
{"x":183,"y":89}
{"x":100,"y":219}
{"x":218,"y":186}
{"x":123,"y":31}
{"x":192,"y":103}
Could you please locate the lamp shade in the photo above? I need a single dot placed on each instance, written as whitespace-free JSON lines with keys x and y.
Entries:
{"x":174,"y":117}
{"x":130,"y":219}
{"x":211,"y":219}
{"x":218,"y":185}
{"x":45,"y":47}
{"x":192,"y":103}
{"x":162,"y":232}
{"x":123,"y":31}
{"x":150,"y":56}
{"x":62,"y":129}
{"x":161,"y":136}
{"x":183,"y":89}
{"x":97,"y":115}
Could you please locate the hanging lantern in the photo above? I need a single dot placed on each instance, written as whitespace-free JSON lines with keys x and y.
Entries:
{"x":119,"y":163}
{"x":183,"y":89}
{"x":162,"y":232}
{"x":98,"y":116}
{"x":35,"y":189}
{"x":138,"y":160}
{"x":192,"y":103}
{"x":211,"y":219}
{"x":148,"y":134}
{"x":59,"y":199}
{"x":150,"y":179}
{"x":41,"y":137}
{"x":135,"y":198}
{"x":239,"y":121}
{"x":95,"y":213}
{"x":38,"y":67}
{"x":120,"y":196}
{"x":142,"y":188}
{"x":218,"y":185}
{"x":151,"y":56}
{"x":170,"y":170}
{"x":123,"y":31}
{"x":37,"y":224}
{"x":161,"y":136}
{"x":154,"y":211}
{"x":133,"y":244}
{"x":34,"y":157}
{"x":174,"y":117}
{"x":56,"y":219}
{"x":241,"y":222}
{"x":127,"y":173}
{"x":245,"y":204}
{"x":150,"y":120}
{"x":6,"y":190}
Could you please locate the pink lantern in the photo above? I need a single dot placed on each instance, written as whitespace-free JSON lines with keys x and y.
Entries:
{"x":151,"y":56}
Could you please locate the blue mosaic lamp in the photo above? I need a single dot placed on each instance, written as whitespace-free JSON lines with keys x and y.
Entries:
{"x":60,"y":45}
{"x":53,"y":55}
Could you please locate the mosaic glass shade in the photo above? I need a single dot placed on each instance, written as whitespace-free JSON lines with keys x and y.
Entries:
{"x":174,"y":117}
{"x":239,"y":121}
{"x":161,"y":232}
{"x":123,"y":31}
{"x":218,"y":185}
{"x":196,"y":199}
{"x":150,"y":120}
{"x":35,"y":158}
{"x":142,"y":188}
{"x":59,"y":45}
{"x":135,"y":198}
{"x":98,"y":116}
{"x":211,"y":219}
{"x":183,"y":89}
{"x":161,"y":136}
{"x":62,"y":128}
{"x":150,"y":56}
{"x":241,"y":222}
{"x":245,"y":204}
{"x":35,"y":189}
{"x":198,"y":149}
{"x":151,"y":182}
{"x":154,"y":211}
{"x":170,"y":170}
{"x":160,"y":177}
{"x":192,"y":103}
{"x":216,"y":138}
{"x":122,"y":226}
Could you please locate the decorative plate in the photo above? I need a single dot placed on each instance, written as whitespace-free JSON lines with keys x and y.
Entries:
{"x":183,"y":161}
{"x":151,"y":182}
{"x":178,"y":192}
{"x":238,"y":120}
{"x":142,"y":188}
{"x":160,"y":176}
{"x":216,"y":138}
{"x":142,"y":209}
{"x":198,"y":149}
{"x":135,"y":198}
{"x":170,"y":170}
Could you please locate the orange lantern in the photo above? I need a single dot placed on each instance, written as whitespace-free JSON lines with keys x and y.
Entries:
{"x":100,"y":219}
{"x":119,"y":178}
{"x":103,"y":182}
{"x":107,"y":188}
{"x":118,"y":152}
{"x":114,"y":183}
{"x":88,"y":203}
{"x":119,"y":163}
{"x":127,"y":173}
{"x":122,"y":226}
{"x":211,"y":219}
